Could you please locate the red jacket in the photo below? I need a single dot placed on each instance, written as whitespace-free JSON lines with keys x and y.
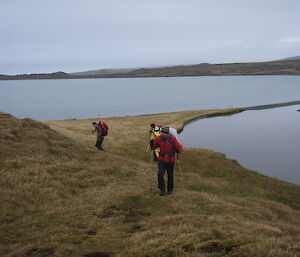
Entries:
{"x":168,"y":148}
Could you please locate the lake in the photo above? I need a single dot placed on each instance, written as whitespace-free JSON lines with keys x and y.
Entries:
{"x":87,"y":98}
{"x":267,"y":141}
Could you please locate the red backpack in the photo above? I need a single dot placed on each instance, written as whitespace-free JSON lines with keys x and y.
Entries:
{"x":103,"y":127}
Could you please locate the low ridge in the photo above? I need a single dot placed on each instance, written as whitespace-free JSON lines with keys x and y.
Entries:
{"x":60,"y":196}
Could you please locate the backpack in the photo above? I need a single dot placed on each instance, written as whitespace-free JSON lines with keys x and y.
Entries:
{"x":170,"y":141}
{"x":173,"y":132}
{"x":103,"y":127}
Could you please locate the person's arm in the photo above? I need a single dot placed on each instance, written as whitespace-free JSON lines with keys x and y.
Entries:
{"x":154,"y":143}
{"x":99,"y":130}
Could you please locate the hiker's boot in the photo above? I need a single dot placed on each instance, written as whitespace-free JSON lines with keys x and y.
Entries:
{"x":170,"y":192}
{"x":162,"y":193}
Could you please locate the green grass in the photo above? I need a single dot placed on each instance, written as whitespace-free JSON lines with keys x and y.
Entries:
{"x":60,"y":196}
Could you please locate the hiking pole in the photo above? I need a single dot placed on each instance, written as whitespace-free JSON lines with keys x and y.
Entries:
{"x":180,"y":173}
{"x":147,"y":149}
{"x":179,"y":164}
{"x":151,"y":163}
{"x":151,"y":173}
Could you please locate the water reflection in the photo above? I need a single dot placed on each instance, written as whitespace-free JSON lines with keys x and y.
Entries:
{"x":267,"y":141}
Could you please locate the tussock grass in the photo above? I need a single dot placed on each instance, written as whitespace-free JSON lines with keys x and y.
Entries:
{"x":60,"y":196}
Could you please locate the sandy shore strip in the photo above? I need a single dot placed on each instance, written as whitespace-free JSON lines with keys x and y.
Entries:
{"x":270,"y":106}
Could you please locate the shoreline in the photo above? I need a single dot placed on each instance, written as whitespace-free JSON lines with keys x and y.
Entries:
{"x":216,"y":113}
{"x":238,"y":110}
{"x":290,"y":178}
{"x":141,"y":77}
{"x":232,"y":110}
{"x":270,"y":106}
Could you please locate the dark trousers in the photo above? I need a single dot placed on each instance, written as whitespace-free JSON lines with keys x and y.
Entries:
{"x":162,"y":168}
{"x":99,"y":142}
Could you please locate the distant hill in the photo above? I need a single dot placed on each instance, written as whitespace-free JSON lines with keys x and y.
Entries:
{"x":102,"y":71}
{"x":290,"y":66}
{"x":292,"y":58}
{"x":54,"y":75}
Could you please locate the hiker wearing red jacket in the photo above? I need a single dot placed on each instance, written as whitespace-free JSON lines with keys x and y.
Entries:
{"x":101,"y":130}
{"x":168,"y":146}
{"x":99,"y":133}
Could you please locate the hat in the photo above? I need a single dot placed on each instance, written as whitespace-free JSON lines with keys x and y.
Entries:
{"x":165,"y":130}
{"x":94,"y":123}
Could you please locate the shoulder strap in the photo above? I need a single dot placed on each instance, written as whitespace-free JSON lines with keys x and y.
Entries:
{"x":169,"y":140}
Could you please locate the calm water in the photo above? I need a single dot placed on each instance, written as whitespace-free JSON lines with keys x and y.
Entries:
{"x":267,"y":141}
{"x":86,"y":98}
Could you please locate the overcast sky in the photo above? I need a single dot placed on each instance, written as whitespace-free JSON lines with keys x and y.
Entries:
{"x":78,"y":35}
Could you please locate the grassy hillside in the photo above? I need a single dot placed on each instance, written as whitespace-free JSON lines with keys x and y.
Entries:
{"x":60,"y":196}
{"x":282,"y":67}
{"x":287,"y":67}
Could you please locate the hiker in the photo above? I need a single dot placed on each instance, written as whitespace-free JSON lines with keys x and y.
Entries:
{"x":168,"y":146}
{"x":155,"y":130}
{"x":154,"y":133}
{"x":100,"y":136}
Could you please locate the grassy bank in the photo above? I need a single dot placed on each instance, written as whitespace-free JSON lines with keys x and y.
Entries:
{"x":60,"y":196}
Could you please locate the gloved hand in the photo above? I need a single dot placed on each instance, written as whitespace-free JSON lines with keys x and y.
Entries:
{"x":151,"y":142}
{"x":176,"y":150}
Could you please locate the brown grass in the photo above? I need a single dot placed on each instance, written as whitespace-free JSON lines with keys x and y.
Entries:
{"x":60,"y":196}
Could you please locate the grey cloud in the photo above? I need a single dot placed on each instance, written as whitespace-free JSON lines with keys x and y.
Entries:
{"x":74,"y":35}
